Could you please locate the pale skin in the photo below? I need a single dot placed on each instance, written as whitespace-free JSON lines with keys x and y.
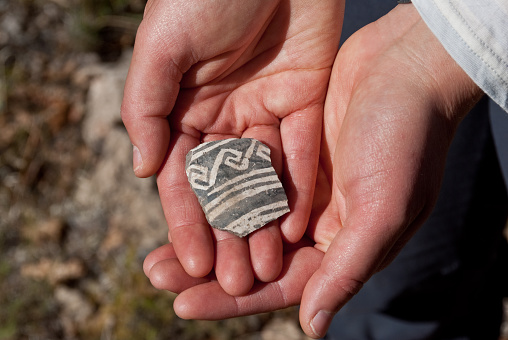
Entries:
{"x":394,"y":101}
{"x":208,"y":70}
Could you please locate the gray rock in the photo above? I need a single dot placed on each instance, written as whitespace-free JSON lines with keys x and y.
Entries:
{"x":104,"y":99}
{"x":236,"y":184}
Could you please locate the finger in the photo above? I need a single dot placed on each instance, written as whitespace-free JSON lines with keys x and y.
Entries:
{"x":301,"y":134}
{"x":165,"y":271}
{"x":354,"y":255}
{"x":209,"y":301}
{"x":323,"y":214}
{"x":162,"y":253}
{"x":265,"y":244}
{"x":150,"y":92}
{"x":148,"y":7}
{"x":164,"y":274}
{"x":190,"y":232}
{"x":232,"y":265}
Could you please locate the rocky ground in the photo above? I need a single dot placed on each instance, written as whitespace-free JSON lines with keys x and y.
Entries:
{"x":75,"y":223}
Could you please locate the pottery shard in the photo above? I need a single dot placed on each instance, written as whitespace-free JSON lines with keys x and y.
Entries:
{"x":236,"y":184}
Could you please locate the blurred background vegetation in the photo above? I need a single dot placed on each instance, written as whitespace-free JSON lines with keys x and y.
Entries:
{"x":75,"y":225}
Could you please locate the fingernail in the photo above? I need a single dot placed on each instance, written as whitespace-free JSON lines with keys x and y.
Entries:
{"x":136,"y":158}
{"x":321,"y":322}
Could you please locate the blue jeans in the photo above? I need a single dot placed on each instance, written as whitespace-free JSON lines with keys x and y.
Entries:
{"x":449,"y":281}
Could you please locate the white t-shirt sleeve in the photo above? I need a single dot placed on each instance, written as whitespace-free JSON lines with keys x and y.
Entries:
{"x":475,"y":34}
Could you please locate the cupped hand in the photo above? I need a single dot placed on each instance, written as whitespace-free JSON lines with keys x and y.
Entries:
{"x":208,"y":70}
{"x":394,"y":101}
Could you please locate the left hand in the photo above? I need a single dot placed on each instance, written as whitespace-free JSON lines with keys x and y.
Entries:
{"x":204,"y":70}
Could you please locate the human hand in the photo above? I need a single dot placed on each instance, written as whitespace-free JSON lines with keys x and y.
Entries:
{"x":226,"y":69}
{"x":394,"y":102}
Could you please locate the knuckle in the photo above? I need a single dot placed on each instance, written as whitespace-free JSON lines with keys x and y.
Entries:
{"x":349,"y":286}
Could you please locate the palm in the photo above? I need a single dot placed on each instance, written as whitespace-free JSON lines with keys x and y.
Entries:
{"x":375,"y":135}
{"x":257,"y":69}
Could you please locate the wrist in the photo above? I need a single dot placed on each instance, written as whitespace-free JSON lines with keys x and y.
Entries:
{"x":451,"y":91}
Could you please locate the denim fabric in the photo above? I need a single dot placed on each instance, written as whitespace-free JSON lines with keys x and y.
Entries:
{"x":499,"y":123}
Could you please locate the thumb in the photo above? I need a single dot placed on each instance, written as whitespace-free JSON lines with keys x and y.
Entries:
{"x":150,"y":92}
{"x":377,"y":214}
{"x":356,"y":252}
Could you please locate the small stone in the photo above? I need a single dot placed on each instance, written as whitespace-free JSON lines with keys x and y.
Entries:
{"x":236,"y":184}
{"x":54,"y":272}
{"x":76,"y":310}
{"x":279,"y":328}
{"x":49,"y":230}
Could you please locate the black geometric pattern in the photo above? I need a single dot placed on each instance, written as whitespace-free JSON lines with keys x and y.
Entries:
{"x":236,"y":184}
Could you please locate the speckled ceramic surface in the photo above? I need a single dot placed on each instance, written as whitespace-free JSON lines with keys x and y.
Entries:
{"x":236,"y":184}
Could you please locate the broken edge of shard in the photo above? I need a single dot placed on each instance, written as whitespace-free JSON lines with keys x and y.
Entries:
{"x":236,"y":184}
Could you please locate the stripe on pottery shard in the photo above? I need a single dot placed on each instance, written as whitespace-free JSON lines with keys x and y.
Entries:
{"x":236,"y":184}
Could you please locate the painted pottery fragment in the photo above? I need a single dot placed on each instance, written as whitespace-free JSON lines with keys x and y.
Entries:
{"x":236,"y":184}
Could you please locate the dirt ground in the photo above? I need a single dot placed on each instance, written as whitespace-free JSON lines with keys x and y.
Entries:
{"x":75,"y":223}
